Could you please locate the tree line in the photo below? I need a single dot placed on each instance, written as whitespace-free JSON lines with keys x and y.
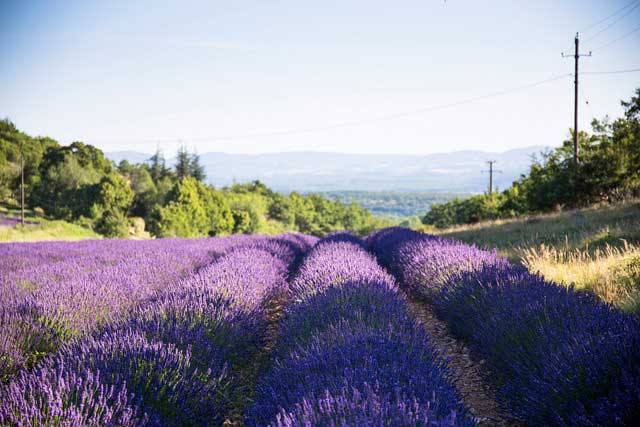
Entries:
{"x":77,"y":183}
{"x":609,"y":170}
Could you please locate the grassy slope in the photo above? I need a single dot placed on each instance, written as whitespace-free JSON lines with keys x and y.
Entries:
{"x":596,"y":248}
{"x":41,"y":229}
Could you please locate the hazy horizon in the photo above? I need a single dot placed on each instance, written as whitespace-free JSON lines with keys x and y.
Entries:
{"x":168,"y":156}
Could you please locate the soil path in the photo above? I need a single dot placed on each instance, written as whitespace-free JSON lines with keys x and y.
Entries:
{"x":274,"y":307}
{"x":467,"y":373}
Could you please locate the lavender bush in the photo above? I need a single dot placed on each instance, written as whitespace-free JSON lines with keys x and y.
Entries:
{"x":331,"y":263}
{"x":423,"y":263}
{"x":350,"y":407}
{"x":175,"y":352}
{"x":159,"y":380}
{"x":346,"y":329}
{"x":51,"y":292}
{"x":559,"y":356}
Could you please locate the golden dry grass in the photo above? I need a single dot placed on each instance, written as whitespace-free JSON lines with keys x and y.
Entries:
{"x":596,"y":248}
{"x":611,"y":273}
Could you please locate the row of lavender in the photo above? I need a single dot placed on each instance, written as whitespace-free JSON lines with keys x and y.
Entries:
{"x":51,"y":292}
{"x":175,"y":355}
{"x":558,"y":356}
{"x":349,"y":353}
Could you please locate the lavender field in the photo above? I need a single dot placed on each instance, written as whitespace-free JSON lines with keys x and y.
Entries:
{"x":292,"y":330}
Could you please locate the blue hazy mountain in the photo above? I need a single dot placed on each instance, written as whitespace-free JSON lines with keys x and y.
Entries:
{"x":459,"y":171}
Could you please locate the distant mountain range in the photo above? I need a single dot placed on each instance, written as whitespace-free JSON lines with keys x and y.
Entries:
{"x":458,"y":171}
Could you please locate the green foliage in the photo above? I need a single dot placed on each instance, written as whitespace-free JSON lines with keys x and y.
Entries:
{"x":217,"y":210}
{"x":76,"y":183}
{"x":192,"y":210}
{"x":13,"y":144}
{"x":158,"y":166}
{"x":196,"y":170}
{"x":113,"y":223}
{"x":188,"y":165}
{"x":467,"y":211}
{"x":609,"y":170}
{"x":182,"y":163}
{"x":114,"y":193}
{"x":249,"y":211}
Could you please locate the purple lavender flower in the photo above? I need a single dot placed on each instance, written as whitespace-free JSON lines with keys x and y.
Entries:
{"x":559,"y":356}
{"x":346,"y":329}
{"x":350,"y":407}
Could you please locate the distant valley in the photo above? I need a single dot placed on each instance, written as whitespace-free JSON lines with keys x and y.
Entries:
{"x":455,"y":172}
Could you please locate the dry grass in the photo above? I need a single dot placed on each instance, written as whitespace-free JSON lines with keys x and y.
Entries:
{"x":596,"y":248}
{"x":611,"y":273}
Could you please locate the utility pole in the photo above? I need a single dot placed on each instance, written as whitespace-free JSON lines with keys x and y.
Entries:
{"x":576,"y":56}
{"x":491,"y":171}
{"x":22,"y":181}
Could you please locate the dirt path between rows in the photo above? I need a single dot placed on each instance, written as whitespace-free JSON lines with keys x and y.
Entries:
{"x":467,"y":373}
{"x":274,"y":308}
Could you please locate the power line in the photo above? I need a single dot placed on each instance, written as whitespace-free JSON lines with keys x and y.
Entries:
{"x":587,"y":28}
{"x":388,"y":117}
{"x":624,"y":36}
{"x":633,"y":70}
{"x":613,"y":23}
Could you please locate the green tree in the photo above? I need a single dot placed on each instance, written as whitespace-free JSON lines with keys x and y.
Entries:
{"x":113,"y":223}
{"x":183,"y":163}
{"x":196,"y":170}
{"x":221,"y":219}
{"x":158,"y":166}
{"x":114,"y":193}
{"x":192,"y":210}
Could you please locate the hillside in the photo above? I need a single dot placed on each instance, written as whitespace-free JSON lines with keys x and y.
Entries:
{"x":324,"y":171}
{"x":595,"y":248}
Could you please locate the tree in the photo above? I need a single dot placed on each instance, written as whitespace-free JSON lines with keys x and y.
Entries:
{"x":113,"y":224}
{"x":114,"y":193}
{"x":157,"y":166}
{"x":12,"y":142}
{"x":183,"y":163}
{"x":192,"y":210}
{"x":609,"y":170}
{"x":196,"y":170}
{"x":221,"y":219}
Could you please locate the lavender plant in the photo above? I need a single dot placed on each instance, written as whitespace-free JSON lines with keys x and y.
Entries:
{"x":173,"y":355}
{"x":559,"y":356}
{"x":346,"y":329}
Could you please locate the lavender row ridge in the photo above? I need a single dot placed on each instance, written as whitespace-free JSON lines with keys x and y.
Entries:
{"x":174,"y":357}
{"x":349,"y":352}
{"x":557,"y":355}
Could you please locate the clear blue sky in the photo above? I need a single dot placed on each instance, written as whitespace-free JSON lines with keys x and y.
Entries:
{"x":131,"y":75}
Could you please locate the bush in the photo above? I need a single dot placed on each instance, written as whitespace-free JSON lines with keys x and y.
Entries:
{"x":112,"y":224}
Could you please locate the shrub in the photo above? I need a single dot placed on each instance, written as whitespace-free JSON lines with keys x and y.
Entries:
{"x":113,"y":224}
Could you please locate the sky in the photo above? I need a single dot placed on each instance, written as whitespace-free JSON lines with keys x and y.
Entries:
{"x":333,"y":75}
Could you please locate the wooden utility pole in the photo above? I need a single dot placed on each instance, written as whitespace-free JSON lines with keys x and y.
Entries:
{"x":22,"y":182}
{"x":576,"y":56}
{"x":491,"y":171}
